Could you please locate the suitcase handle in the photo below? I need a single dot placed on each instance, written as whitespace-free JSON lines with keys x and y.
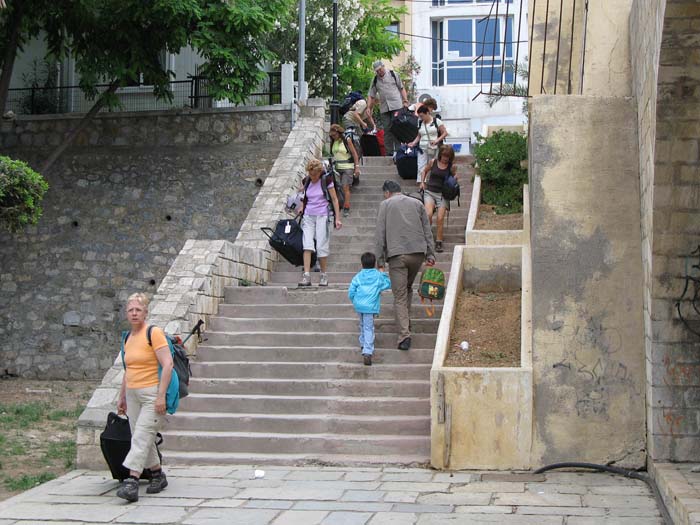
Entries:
{"x":265,"y":230}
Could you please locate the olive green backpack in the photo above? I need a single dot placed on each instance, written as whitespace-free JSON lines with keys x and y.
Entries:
{"x":432,"y":286}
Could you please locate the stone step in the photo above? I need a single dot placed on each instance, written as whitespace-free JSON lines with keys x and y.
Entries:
{"x":314,"y":310}
{"x":270,"y":404}
{"x":348,"y":264}
{"x":301,"y":370}
{"x":316,"y":355}
{"x":281,"y":459}
{"x":312,"y":387}
{"x":304,"y":339}
{"x":367,"y":234}
{"x":289,"y":278}
{"x":295,"y":325}
{"x":268,"y":443}
{"x":288,"y":295}
{"x":301,"y":423}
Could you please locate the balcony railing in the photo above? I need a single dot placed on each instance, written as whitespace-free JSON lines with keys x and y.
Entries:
{"x":190,"y":93}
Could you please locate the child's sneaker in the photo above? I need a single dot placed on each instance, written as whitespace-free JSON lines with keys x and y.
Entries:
{"x":305,"y":279}
{"x":324,"y":280}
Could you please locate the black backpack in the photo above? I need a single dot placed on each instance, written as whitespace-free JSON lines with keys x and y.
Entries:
{"x":328,"y":177}
{"x":349,"y":101}
{"x":396,"y":80}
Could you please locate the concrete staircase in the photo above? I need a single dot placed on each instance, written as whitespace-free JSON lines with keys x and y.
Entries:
{"x":280,"y":379}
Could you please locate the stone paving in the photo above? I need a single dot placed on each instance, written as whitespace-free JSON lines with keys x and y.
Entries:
{"x":341,"y":496}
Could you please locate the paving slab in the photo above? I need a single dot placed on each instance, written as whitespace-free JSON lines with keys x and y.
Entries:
{"x":337,"y":496}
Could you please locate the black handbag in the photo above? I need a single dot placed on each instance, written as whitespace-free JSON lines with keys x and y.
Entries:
{"x":287,"y":239}
{"x":115,"y":442}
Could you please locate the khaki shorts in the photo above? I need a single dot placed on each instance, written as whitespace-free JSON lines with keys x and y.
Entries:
{"x":346,"y":177}
{"x":436,"y":199}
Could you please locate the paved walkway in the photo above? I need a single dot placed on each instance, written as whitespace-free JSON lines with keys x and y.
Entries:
{"x":341,"y":496}
{"x":680,"y":489}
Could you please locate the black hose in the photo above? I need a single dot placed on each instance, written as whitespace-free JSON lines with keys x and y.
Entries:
{"x":628,"y":473}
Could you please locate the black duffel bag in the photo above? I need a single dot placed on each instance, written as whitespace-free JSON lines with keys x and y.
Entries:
{"x":404,"y":125}
{"x":287,"y":239}
{"x":115,"y":442}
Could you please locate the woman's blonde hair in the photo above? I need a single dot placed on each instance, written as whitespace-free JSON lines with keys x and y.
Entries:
{"x":314,"y":164}
{"x":139,"y":298}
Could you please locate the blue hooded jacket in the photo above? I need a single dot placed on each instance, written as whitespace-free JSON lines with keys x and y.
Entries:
{"x":365,"y":289}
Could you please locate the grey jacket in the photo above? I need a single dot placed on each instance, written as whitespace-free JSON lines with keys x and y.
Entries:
{"x":402,"y":228}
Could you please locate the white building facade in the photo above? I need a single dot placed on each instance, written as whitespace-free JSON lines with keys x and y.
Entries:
{"x":468,"y":49}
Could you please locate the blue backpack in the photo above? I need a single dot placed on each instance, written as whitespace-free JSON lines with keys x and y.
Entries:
{"x":349,"y":101}
{"x":176,"y":388}
{"x":450,"y":188}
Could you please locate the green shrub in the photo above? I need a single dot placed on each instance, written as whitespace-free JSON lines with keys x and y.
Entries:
{"x":502,"y":177}
{"x":21,"y":192}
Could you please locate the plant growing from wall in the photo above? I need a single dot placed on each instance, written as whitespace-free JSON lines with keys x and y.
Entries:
{"x":498,"y":159}
{"x":43,"y":98}
{"x":409,"y":70}
{"x":21,"y":192}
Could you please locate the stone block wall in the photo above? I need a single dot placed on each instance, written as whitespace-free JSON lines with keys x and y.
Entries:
{"x":115,"y":219}
{"x":671,"y":223}
{"x":194,"y":285}
{"x":588,"y":350}
{"x":152,"y":128}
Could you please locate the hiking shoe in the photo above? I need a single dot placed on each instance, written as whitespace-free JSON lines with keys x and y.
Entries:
{"x":367,"y":358}
{"x":405,"y":344}
{"x":324,"y":280}
{"x":129,"y":490}
{"x":438,"y":247}
{"x":305,"y":279}
{"x":346,"y":212}
{"x":158,"y":483}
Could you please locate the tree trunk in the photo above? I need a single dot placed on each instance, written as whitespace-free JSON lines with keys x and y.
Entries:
{"x":56,"y":153}
{"x":8,"y":60}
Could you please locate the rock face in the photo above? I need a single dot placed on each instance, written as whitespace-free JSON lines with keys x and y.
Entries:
{"x":114,"y":220}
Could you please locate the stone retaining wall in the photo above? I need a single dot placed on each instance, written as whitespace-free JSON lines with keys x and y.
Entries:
{"x":153,"y":128}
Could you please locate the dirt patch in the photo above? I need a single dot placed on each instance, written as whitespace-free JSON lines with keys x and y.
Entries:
{"x":37,"y":430}
{"x":490,"y":323}
{"x":487,"y":219}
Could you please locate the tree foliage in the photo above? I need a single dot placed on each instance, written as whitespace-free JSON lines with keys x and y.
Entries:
{"x":499,"y":160}
{"x":21,"y":192}
{"x":362,"y":39}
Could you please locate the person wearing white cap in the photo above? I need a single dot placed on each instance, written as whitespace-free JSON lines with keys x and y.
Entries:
{"x":389,"y":90}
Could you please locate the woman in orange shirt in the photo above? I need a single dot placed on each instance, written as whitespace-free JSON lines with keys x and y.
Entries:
{"x":142,"y":397}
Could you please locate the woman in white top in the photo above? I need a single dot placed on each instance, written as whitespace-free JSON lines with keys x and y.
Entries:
{"x":431,"y":133}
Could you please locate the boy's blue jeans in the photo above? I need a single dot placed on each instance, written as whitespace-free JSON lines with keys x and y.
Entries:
{"x":367,"y":333}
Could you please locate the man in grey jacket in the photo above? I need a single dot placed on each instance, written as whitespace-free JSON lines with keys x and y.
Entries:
{"x":404,"y":240}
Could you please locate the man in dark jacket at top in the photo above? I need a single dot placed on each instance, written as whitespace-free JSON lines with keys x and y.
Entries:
{"x":404,"y":240}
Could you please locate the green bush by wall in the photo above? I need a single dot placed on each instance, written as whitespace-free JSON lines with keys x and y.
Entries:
{"x":21,"y":192}
{"x":498,"y":158}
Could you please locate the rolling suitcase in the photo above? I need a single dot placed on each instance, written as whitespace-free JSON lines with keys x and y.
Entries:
{"x":406,"y":160}
{"x":287,"y":240}
{"x":115,"y":442}
{"x":404,"y":125}
{"x":369,"y":145}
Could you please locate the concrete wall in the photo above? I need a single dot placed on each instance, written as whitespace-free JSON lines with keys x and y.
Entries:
{"x":671,"y":223}
{"x":561,"y":64}
{"x":586,"y":281}
{"x":114,"y":220}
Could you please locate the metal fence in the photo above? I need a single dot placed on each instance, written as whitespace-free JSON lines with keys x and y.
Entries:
{"x":190,"y":93}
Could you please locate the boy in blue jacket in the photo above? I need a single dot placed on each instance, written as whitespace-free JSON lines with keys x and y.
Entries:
{"x":364,"y":292}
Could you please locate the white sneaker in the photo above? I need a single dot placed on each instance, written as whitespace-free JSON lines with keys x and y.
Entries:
{"x":305,"y":279}
{"x":324,"y":280}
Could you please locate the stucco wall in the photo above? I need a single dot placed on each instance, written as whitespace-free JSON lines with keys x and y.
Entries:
{"x":586,"y":281}
{"x":674,"y":232}
{"x":114,"y":220}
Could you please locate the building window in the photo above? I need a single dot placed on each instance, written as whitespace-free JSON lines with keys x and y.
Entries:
{"x":470,"y":50}
{"x":140,"y":80}
{"x":450,"y":2}
{"x":395,"y":28}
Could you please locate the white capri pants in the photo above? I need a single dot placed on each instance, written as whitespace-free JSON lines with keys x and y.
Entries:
{"x":144,"y":423}
{"x":317,"y":227}
{"x":423,"y":159}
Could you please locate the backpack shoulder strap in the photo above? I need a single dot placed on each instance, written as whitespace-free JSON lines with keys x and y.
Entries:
{"x":396,"y":80}
{"x":125,"y":336}
{"x":149,"y":331}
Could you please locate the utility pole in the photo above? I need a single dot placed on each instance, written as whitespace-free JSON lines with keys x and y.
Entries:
{"x":301,"y":91}
{"x":334,"y":102}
